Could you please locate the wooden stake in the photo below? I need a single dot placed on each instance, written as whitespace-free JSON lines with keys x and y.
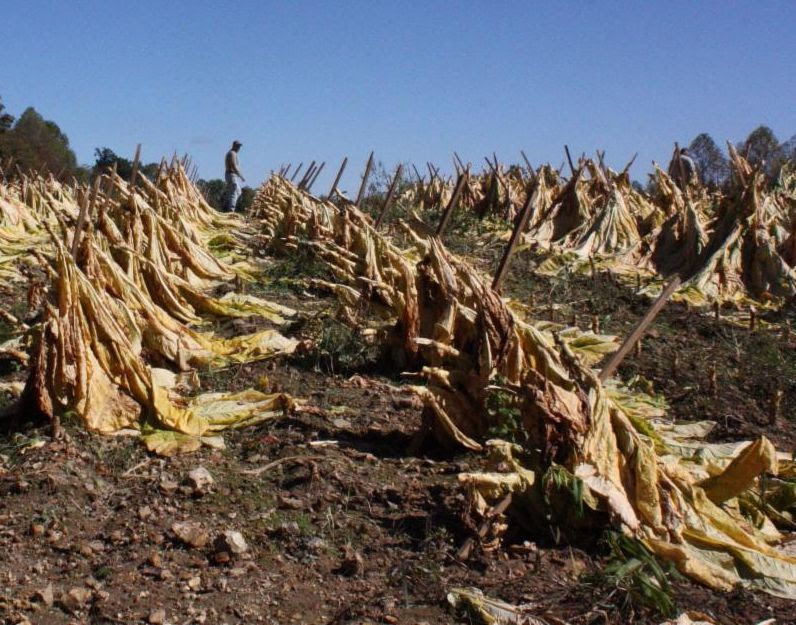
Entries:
{"x":446,"y":214}
{"x":417,"y":173}
{"x":752,"y":318}
{"x":461,"y":164}
{"x":717,"y":310}
{"x":340,"y":171}
{"x":531,"y":171}
{"x":307,"y":175}
{"x":390,"y":196}
{"x":639,"y":330}
{"x":365,"y":176}
{"x":637,"y":349}
{"x":519,"y":228}
{"x":315,"y":176}
{"x":569,"y":159}
{"x":136,"y":161}
{"x":595,"y":324}
{"x":297,"y":170}
{"x":85,"y":210}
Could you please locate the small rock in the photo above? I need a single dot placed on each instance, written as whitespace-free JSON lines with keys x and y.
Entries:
{"x":165,"y":575}
{"x":45,"y":595}
{"x":194,"y":583}
{"x":200,"y":480}
{"x":144,"y":512}
{"x":97,"y":546}
{"x":167,"y":485}
{"x":191,"y":534}
{"x":155,"y":559}
{"x":290,"y":503}
{"x":389,"y":618}
{"x":157,"y":617}
{"x":116,"y":536}
{"x":75,"y":599}
{"x":36,"y":529}
{"x":231,"y":542}
{"x":289,"y":527}
{"x":316,"y":544}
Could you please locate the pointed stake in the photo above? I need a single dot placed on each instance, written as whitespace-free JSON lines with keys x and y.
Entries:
{"x":519,"y":228}
{"x":136,"y":161}
{"x":390,"y":196}
{"x":297,"y":170}
{"x":569,"y":159}
{"x":457,"y":191}
{"x":85,"y":209}
{"x":365,"y":176}
{"x":461,"y":164}
{"x":639,"y":330}
{"x":531,"y":170}
{"x":417,"y":173}
{"x":315,"y":176}
{"x":333,"y":190}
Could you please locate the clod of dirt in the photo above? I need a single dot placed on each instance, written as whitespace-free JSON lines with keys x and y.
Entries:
{"x":157,"y":617}
{"x":45,"y":596}
{"x":290,"y":503}
{"x":75,"y":599}
{"x":200,"y":480}
{"x":231,"y":542}
{"x":167,"y":485}
{"x":352,"y":565}
{"x":191,"y":534}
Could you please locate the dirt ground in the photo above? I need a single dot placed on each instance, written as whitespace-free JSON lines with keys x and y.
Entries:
{"x":346,"y":516}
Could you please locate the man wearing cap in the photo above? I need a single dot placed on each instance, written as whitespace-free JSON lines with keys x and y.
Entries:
{"x":231,"y":175}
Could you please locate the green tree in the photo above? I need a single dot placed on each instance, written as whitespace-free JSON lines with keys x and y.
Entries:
{"x":213,"y":191}
{"x":713,"y":166}
{"x":761,"y":148}
{"x":245,"y":200}
{"x":6,"y":120}
{"x":36,"y":144}
{"x":105,"y":158}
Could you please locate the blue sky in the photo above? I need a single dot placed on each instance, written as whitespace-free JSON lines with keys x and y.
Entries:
{"x":411,"y":80}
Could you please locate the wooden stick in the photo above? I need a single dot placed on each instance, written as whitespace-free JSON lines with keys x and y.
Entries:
{"x":629,"y":165}
{"x":569,"y":159}
{"x":683,"y":181}
{"x":461,"y":164}
{"x":315,"y":176}
{"x":307,"y":174}
{"x":333,"y":190}
{"x":522,"y":222}
{"x":365,"y":176}
{"x":298,"y":169}
{"x":85,"y":209}
{"x":531,"y":170}
{"x":639,"y":330}
{"x":390,"y":196}
{"x":417,"y":173}
{"x":136,"y":161}
{"x":446,"y":214}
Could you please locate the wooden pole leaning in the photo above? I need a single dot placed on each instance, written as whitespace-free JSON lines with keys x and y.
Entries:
{"x":85,"y":210}
{"x":340,"y":171}
{"x":365,"y":176}
{"x":624,"y":349}
{"x":136,"y":162}
{"x":315,"y":176}
{"x":457,"y":191}
{"x":519,"y":227}
{"x":390,"y":196}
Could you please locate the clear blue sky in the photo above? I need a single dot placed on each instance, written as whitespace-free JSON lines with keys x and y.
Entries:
{"x":411,"y":80}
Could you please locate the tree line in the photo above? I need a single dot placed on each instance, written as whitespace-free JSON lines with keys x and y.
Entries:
{"x":32,"y":143}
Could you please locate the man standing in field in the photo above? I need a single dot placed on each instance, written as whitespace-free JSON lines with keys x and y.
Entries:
{"x":231,"y":175}
{"x":682,"y":168}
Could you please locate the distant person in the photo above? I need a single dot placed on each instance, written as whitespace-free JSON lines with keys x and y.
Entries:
{"x":231,"y":175}
{"x":689,"y":168}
